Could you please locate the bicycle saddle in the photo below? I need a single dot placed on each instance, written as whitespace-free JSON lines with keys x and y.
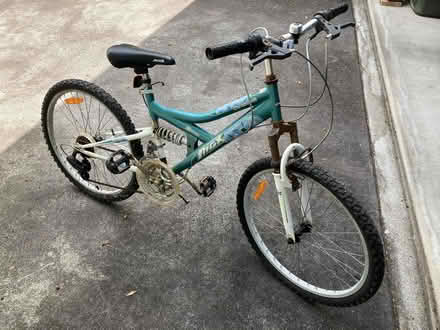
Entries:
{"x":140,"y":59}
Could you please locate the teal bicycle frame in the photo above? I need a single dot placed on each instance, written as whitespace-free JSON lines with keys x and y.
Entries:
{"x":265,"y":104}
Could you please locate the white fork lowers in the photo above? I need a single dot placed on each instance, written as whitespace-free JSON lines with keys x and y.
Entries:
{"x":283,"y":183}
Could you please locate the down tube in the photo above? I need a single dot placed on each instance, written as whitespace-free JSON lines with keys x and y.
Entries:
{"x":239,"y":127}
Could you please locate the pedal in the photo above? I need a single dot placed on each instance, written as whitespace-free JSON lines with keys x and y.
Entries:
{"x":207,"y":186}
{"x":83,"y":166}
{"x":118,"y":162}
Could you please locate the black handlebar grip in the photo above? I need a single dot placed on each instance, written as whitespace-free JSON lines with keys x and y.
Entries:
{"x":329,"y":14}
{"x":253,"y":43}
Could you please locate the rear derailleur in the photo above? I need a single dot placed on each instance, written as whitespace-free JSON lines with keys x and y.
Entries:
{"x":80,"y":163}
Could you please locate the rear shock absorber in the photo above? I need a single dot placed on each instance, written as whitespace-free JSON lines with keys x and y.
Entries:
{"x":170,"y":135}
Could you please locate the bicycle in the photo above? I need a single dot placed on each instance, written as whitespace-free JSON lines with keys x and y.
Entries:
{"x":314,"y":236}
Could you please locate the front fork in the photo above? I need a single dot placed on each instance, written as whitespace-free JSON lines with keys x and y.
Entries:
{"x":282,"y":182}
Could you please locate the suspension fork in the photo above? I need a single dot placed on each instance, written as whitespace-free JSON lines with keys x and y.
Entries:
{"x":282,"y":182}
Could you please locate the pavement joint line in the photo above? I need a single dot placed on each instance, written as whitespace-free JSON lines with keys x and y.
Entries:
{"x":408,"y":291}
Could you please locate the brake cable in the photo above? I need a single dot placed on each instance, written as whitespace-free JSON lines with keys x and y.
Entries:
{"x":310,"y":81}
{"x":310,"y":151}
{"x":310,"y":64}
{"x":243,"y":80}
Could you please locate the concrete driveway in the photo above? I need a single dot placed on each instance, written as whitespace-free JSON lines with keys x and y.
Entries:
{"x":69,"y":261}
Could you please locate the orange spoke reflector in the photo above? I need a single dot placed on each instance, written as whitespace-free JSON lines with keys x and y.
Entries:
{"x":74,"y":100}
{"x":260,"y":189}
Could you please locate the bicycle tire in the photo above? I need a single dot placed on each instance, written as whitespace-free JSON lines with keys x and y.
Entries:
{"x":365,"y":224}
{"x":120,"y":116}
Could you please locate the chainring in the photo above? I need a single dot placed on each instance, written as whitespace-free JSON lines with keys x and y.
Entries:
{"x":157,"y":181}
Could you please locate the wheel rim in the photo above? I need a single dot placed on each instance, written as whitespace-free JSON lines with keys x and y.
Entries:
{"x":307,"y":264}
{"x":91,"y":118}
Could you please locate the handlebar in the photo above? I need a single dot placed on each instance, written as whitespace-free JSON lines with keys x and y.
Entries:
{"x":327,"y":15}
{"x":256,"y":43}
{"x":331,"y":13}
{"x":253,"y":43}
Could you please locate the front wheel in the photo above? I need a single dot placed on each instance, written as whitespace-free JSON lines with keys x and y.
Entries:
{"x":337,"y":258}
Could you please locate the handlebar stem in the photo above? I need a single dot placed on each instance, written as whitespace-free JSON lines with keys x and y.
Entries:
{"x":268,"y":69}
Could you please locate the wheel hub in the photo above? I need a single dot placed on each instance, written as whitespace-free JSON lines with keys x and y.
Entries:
{"x":303,"y":228}
{"x":85,"y":139}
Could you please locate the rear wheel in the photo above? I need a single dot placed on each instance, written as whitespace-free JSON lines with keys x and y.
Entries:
{"x":337,"y":258}
{"x":76,"y":111}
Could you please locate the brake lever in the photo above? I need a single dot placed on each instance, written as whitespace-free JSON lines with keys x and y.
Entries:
{"x":333,"y":30}
{"x":273,"y":51}
{"x":257,"y":60}
{"x":279,"y":53}
{"x":346,"y":25}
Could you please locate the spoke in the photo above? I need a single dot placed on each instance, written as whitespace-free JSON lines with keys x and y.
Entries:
{"x":103,"y":116}
{"x":308,"y":200}
{"x":343,"y":265}
{"x":341,"y":239}
{"x":70,"y":121}
{"x":109,"y":120}
{"x":281,"y":250}
{"x":287,"y":261}
{"x":348,"y":241}
{"x":319,"y":216}
{"x":340,"y":248}
{"x":270,"y":204}
{"x":318,"y":262}
{"x":345,"y":252}
{"x":306,"y":210}
{"x":80,"y":111}
{"x":82,"y":115}
{"x":269,"y":226}
{"x":276,"y":219}
{"x":90,"y":108}
{"x":299,"y":194}
{"x":335,"y":275}
{"x":88,"y":114}
{"x":99,"y":119}
{"x":334,"y":216}
{"x":73,"y":117}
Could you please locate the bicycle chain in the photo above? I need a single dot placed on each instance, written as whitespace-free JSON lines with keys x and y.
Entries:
{"x":112,"y":186}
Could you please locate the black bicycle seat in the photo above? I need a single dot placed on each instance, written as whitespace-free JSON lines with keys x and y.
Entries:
{"x":140,"y":59}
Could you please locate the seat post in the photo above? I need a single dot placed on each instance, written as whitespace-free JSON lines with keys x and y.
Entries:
{"x":147,"y":79}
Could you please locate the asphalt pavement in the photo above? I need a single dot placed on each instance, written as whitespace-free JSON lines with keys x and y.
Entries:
{"x":69,"y":261}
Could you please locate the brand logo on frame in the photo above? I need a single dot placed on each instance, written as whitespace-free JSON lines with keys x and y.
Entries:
{"x":204,"y":151}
